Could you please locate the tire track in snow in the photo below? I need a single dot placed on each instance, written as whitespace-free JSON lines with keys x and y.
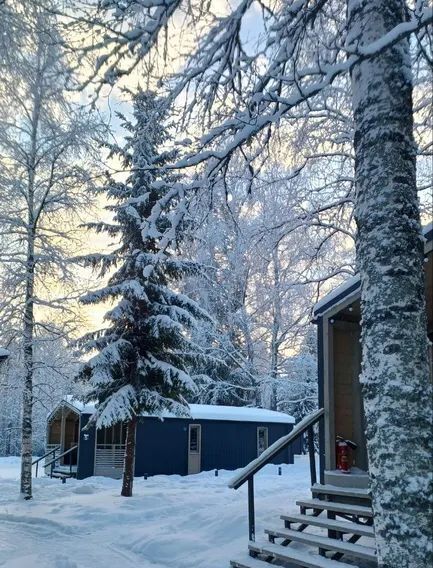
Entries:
{"x":39,"y":525}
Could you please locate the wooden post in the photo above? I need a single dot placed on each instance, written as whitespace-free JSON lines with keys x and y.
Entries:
{"x":62,"y":431}
{"x":312,"y":456}
{"x":251,"y":514}
{"x":322,"y":450}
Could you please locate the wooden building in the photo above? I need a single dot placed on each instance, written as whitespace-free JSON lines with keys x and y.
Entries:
{"x":335,"y":528}
{"x":214,"y":437}
{"x":338,"y":319}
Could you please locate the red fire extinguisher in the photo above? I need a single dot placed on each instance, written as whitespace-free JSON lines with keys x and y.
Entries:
{"x":343,"y":453}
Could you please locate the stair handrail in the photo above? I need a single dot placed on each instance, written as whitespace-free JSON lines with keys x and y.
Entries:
{"x":249,"y":471}
{"x":282,"y":443}
{"x":36,"y":461}
{"x":62,"y":455}
{"x":52,"y":462}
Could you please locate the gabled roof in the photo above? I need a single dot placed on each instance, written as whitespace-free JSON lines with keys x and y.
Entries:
{"x":201,"y":412}
{"x":352,"y":286}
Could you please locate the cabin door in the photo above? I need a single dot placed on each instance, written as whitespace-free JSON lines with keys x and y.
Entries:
{"x":194,"y":448}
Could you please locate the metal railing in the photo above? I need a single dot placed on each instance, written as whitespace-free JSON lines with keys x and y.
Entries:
{"x":52,"y":463}
{"x":52,"y":451}
{"x":249,"y":471}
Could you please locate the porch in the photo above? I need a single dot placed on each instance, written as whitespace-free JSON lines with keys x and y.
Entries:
{"x":337,"y":522}
{"x":61,"y":456}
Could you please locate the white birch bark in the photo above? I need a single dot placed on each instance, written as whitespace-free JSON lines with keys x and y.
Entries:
{"x":396,"y":387}
{"x":28,"y":319}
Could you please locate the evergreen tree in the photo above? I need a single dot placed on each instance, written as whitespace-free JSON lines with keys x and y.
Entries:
{"x":144,"y":353}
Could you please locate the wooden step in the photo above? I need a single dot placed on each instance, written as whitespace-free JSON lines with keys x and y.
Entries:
{"x":250,"y":563}
{"x":345,"y":508}
{"x":352,"y":550}
{"x":295,"y":556}
{"x":60,"y":475}
{"x":340,"y":491}
{"x":331,"y":524}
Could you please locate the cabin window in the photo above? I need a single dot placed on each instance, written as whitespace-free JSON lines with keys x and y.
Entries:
{"x":262,"y":439}
{"x":113,"y":436}
{"x":194,"y":439}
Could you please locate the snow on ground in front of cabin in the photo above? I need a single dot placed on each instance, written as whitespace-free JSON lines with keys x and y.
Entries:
{"x":170,"y":522}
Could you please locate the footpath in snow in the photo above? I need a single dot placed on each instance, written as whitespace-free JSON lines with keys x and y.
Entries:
{"x":170,"y":522}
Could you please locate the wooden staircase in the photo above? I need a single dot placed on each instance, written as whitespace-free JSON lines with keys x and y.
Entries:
{"x":64,"y":472}
{"x":326,"y":530}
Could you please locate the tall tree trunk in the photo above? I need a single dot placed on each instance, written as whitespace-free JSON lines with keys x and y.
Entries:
{"x":396,"y":388}
{"x":28,"y":319}
{"x":129,"y":464}
{"x":28,"y":333}
{"x":276,"y":314}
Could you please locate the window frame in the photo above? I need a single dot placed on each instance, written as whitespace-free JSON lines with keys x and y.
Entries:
{"x":197,"y":428}
{"x":264,"y":429}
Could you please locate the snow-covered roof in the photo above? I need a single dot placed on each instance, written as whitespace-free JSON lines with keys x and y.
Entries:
{"x":351,"y":286}
{"x":238,"y":413}
{"x":209,"y":412}
{"x":4,"y":353}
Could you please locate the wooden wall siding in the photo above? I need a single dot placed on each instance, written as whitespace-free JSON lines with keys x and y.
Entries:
{"x":349,"y":420}
{"x":54,"y":430}
{"x":225,"y":445}
{"x":162,"y":447}
{"x":71,"y":433}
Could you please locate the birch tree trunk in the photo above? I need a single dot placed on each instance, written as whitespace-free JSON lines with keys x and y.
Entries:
{"x":28,"y":320}
{"x":128,"y":469}
{"x":276,"y":327}
{"x":27,"y":429}
{"x":396,"y":388}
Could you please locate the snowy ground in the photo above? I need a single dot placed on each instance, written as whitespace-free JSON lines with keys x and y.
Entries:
{"x":171,"y":522}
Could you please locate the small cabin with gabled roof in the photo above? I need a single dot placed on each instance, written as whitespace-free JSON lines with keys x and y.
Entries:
{"x":212,"y":437}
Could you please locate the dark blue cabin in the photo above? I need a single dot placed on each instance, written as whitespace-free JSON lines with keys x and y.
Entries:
{"x":214,"y":437}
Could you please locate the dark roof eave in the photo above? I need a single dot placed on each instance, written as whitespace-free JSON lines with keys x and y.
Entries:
{"x":323,"y":306}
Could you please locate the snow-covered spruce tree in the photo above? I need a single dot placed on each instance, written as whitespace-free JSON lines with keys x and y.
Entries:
{"x":143,"y":355}
{"x":395,"y":376}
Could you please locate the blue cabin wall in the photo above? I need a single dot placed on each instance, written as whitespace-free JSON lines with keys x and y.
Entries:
{"x":162,"y":446}
{"x":86,"y":449}
{"x":224,"y":445}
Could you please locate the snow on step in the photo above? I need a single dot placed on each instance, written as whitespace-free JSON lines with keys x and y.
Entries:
{"x":340,"y":491}
{"x":323,"y":522}
{"x":250,"y":563}
{"x":348,"y":509}
{"x":299,"y":557}
{"x":353,"y":550}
